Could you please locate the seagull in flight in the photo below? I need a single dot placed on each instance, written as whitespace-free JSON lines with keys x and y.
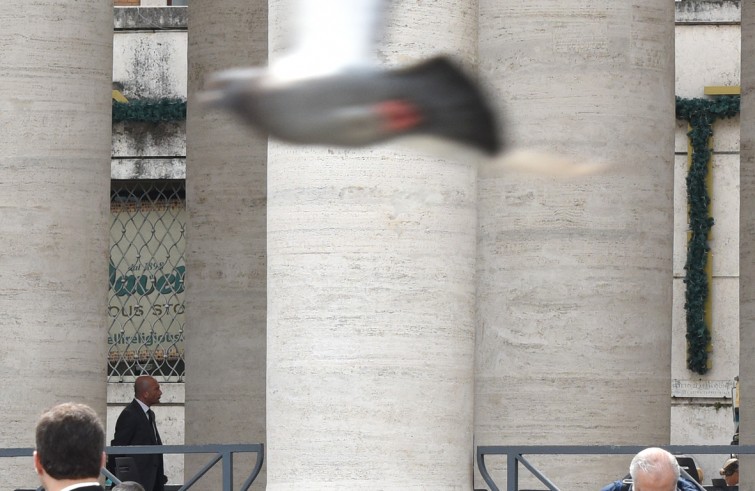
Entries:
{"x":330,"y":89}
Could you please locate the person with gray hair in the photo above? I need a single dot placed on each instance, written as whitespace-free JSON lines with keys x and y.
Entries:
{"x":653,"y":469}
{"x":128,"y":486}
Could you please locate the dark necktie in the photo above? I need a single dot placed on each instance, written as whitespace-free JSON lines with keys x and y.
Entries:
{"x":151,"y":416}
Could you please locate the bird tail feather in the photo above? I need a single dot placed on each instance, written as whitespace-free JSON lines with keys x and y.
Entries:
{"x":453,"y":105}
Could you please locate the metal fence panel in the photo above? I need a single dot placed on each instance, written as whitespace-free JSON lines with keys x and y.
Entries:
{"x":146,"y":278}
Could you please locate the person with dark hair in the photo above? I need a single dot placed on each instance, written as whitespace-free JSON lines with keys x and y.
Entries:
{"x":136,"y":426}
{"x":70,"y":448}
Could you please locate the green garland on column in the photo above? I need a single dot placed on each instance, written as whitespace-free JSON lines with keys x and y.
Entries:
{"x":700,"y":114}
{"x":150,"y":110}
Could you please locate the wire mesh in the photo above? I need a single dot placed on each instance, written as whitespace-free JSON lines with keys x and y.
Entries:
{"x":146,"y":277}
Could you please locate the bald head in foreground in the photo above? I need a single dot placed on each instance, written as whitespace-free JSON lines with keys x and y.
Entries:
{"x":128,"y":486}
{"x":653,"y":469}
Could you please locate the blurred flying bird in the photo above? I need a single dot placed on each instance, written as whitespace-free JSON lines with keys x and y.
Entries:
{"x":330,"y":90}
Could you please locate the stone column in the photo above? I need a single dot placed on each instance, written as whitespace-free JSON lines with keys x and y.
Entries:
{"x":56,"y":66}
{"x":747,"y":248}
{"x":371,"y":298}
{"x":226,"y":203}
{"x":575,"y":275}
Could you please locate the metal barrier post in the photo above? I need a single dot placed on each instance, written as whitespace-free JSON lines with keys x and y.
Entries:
{"x":512,"y":473}
{"x":227,"y":471}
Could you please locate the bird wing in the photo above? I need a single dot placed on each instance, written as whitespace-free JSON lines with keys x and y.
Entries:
{"x":331,"y":36}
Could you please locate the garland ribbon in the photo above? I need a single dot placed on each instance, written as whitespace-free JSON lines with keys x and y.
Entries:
{"x":700,"y":114}
{"x":149,"y":110}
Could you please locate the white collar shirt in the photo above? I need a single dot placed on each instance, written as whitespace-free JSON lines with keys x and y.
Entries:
{"x":145,"y":407}
{"x":80,"y":485}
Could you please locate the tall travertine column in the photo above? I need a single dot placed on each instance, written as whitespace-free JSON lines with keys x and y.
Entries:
{"x":371,"y":298}
{"x":747,"y":247}
{"x":56,"y":66}
{"x":225,"y":285}
{"x":575,"y":275}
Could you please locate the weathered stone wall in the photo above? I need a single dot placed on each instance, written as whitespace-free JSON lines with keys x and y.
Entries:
{"x":708,"y":54}
{"x":706,"y":11}
{"x":150,"y":63}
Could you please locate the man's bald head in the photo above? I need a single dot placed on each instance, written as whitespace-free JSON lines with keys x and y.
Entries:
{"x":654,"y":469}
{"x":147,"y":390}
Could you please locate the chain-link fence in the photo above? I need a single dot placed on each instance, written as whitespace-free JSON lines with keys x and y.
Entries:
{"x":147,"y":269}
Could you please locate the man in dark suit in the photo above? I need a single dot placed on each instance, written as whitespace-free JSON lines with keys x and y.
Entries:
{"x":70,"y":448}
{"x":136,"y":426}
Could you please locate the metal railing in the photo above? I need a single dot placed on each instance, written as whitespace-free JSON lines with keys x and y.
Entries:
{"x":515,"y":455}
{"x":222,"y":453}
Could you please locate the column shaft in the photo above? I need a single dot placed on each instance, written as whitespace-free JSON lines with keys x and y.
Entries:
{"x":575,"y":275}
{"x":226,"y":203}
{"x":56,"y":66}
{"x":371,"y":299}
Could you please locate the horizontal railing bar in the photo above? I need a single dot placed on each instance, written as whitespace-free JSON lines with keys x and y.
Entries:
{"x":16,"y":452}
{"x":184,"y":449}
{"x":610,"y":449}
{"x":150,"y":449}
